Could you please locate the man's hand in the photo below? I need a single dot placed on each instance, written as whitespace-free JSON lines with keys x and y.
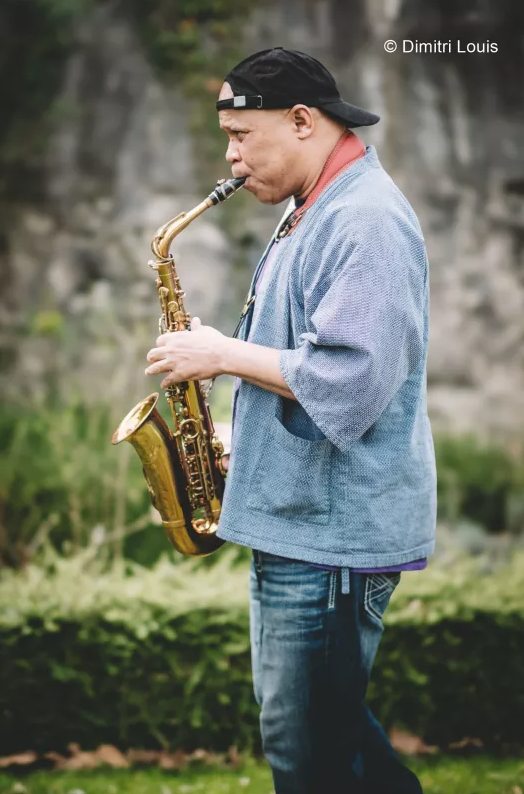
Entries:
{"x":204,"y":353}
{"x":188,"y":355}
{"x":225,"y":461}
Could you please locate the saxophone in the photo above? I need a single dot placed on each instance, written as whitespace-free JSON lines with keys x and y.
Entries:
{"x":183,"y":469}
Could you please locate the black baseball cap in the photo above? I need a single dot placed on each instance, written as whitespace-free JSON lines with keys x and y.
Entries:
{"x":280,"y":78}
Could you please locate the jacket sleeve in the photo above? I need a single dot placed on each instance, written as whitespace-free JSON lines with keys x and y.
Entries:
{"x":364,"y":304}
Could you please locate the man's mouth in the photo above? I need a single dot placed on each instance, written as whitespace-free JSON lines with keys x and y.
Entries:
{"x":247,"y":183}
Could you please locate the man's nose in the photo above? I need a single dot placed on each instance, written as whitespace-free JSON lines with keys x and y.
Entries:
{"x":232,"y":154}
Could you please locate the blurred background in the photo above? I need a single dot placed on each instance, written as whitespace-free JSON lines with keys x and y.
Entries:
{"x":108,"y":130}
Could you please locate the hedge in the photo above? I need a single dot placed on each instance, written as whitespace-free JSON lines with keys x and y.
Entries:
{"x":160,"y":657}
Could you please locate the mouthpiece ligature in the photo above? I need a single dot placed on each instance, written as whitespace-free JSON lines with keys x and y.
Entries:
{"x":226,"y":188}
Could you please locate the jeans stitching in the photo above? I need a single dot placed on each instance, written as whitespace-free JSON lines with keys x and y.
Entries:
{"x":368,"y":601}
{"x":386,"y":580}
{"x":260,"y":687}
{"x":383,"y":583}
{"x":376,"y":591}
{"x":370,"y":597}
{"x":332,"y":589}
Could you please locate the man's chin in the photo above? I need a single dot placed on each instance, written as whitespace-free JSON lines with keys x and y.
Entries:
{"x":261,"y":193}
{"x":250,"y":187}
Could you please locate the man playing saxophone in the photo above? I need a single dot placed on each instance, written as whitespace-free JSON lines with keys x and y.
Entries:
{"x":331,"y":479}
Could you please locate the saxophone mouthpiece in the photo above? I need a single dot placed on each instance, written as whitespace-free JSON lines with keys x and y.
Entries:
{"x":226,"y":188}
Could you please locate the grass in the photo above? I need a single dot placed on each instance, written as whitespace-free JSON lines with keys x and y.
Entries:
{"x":441,"y":775}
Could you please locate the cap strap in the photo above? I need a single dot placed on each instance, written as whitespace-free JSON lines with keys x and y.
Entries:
{"x":241,"y":102}
{"x":257,"y":102}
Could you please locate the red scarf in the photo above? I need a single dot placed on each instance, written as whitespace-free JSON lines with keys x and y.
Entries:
{"x":348,"y":149}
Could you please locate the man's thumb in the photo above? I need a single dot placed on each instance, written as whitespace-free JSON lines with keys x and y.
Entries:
{"x":195,"y":323}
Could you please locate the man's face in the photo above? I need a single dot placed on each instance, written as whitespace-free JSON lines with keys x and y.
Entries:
{"x":263,"y":147}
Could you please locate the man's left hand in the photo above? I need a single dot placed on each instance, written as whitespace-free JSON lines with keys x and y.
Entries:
{"x":188,"y":355}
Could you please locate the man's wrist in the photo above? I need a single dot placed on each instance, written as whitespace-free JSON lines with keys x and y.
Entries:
{"x":257,"y":364}
{"x":227,"y":356}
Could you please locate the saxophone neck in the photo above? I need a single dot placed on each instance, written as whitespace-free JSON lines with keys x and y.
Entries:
{"x":166,"y":234}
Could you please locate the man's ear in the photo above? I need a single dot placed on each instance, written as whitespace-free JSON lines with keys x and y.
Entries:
{"x":303,"y":120}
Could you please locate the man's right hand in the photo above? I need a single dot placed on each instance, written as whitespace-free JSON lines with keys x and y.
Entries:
{"x":225,"y":461}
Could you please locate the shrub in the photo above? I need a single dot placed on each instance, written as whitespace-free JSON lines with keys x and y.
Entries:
{"x":160,"y":657}
{"x":132,"y":656}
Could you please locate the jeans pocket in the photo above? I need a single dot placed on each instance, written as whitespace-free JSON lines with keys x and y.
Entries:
{"x":292,"y":477}
{"x":379,"y":589}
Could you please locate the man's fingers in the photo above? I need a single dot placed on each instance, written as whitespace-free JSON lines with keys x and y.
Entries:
{"x":169,"y":381}
{"x":159,"y":366}
{"x":156,"y":354}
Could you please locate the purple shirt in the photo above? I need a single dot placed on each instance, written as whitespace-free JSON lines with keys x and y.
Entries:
{"x":416,"y":565}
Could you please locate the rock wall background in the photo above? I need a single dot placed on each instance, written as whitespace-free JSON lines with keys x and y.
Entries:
{"x":125,"y":149}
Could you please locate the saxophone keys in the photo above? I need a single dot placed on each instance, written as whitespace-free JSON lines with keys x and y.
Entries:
{"x":217,"y":445}
{"x":189,"y":434}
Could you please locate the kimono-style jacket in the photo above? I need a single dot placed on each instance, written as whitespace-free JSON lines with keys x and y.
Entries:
{"x":345,"y":475}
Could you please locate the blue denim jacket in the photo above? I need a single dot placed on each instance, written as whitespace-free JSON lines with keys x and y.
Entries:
{"x":346,"y":475}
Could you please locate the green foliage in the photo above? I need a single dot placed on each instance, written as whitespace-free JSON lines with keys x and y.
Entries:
{"x":48,"y":323}
{"x":439,"y":775}
{"x":130,"y":656}
{"x":449,"y":664}
{"x":176,"y":34}
{"x":160,"y":657}
{"x":250,"y":778}
{"x":481,"y":482}
{"x":61,"y":479}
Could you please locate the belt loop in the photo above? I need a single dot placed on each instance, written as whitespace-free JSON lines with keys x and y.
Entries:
{"x":258,"y":567}
{"x":346,"y":589}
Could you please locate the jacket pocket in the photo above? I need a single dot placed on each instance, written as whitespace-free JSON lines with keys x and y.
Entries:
{"x":292,"y":477}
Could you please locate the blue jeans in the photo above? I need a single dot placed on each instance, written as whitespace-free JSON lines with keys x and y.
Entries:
{"x":312,"y":653}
